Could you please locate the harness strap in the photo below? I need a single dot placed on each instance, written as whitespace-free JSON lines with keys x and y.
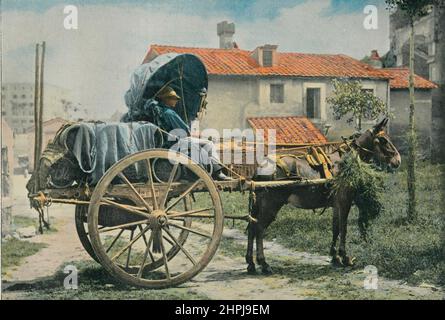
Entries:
{"x":319,"y":161}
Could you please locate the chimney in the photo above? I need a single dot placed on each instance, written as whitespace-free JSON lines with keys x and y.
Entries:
{"x":225,"y":33}
{"x":266,"y":56}
{"x":375,"y":60}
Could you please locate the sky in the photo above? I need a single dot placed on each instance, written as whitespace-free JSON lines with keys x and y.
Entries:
{"x":95,"y":61}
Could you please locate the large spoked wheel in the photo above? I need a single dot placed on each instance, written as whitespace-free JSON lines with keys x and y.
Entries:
{"x":80,"y":216}
{"x":81,"y":213}
{"x":155,"y":224}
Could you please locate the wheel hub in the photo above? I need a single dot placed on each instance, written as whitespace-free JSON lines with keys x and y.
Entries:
{"x":160,"y":217}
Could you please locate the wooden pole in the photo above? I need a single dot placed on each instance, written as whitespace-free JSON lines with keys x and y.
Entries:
{"x":36,"y":109}
{"x":41,"y":83}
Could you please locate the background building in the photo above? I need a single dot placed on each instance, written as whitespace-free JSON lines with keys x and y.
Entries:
{"x":7,"y":163}
{"x":18,"y":105}
{"x":268,"y":83}
{"x":399,"y":101}
{"x":429,"y":62}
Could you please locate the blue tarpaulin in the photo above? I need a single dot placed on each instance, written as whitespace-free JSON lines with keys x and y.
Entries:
{"x":97,"y":146}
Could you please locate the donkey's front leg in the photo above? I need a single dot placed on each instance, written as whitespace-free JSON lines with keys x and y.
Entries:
{"x":260,"y":258}
{"x":345,"y":207}
{"x":249,"y":254}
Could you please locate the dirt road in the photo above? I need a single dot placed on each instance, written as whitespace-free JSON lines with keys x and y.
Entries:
{"x":298,"y":275}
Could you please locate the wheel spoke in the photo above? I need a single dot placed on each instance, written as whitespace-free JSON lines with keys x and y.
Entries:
{"x":181,"y":247}
{"x":114,"y":240}
{"x":121,"y":226}
{"x":146,"y":253}
{"x":175,"y":214}
{"x":152,"y":187}
{"x":169,"y":184}
{"x":125,"y":207}
{"x":117,"y":255}
{"x":185,"y":193}
{"x":191,"y":230}
{"x":129,"y":250}
{"x":168,"y":240}
{"x":146,"y":243}
{"x":164,"y":257}
{"x":138,"y":195}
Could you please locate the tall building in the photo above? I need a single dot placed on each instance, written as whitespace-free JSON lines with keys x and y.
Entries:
{"x":18,"y":105}
{"x":429,"y":62}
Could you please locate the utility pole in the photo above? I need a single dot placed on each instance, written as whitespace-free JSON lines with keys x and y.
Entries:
{"x":38,"y":104}
{"x":36,"y":108}
{"x":41,"y":84}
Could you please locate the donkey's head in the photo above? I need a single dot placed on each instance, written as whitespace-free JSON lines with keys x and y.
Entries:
{"x":375,"y":145}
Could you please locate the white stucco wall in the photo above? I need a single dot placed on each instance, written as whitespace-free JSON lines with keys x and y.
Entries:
{"x":231,"y":100}
{"x":423,"y":118}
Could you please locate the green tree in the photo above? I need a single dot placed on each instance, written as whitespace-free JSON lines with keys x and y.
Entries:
{"x":350,"y":100}
{"x":412,"y":9}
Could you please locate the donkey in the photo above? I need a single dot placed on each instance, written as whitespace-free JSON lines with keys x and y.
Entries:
{"x":373,"y":145}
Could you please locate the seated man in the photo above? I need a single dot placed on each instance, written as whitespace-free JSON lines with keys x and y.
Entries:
{"x":169,"y":120}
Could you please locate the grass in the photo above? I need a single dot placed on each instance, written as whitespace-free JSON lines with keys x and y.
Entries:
{"x":320,"y":282}
{"x":26,"y":221}
{"x":411,"y":251}
{"x":23,"y":221}
{"x":94,"y":283}
{"x":14,"y":251}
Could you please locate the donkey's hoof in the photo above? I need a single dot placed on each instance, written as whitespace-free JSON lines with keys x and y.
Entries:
{"x":337,"y":261}
{"x":348,"y":261}
{"x":266,"y":269}
{"x":251,"y":269}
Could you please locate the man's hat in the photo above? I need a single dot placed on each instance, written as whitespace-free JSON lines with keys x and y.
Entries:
{"x":168,"y":92}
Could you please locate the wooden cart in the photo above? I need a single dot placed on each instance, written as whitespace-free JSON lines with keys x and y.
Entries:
{"x":145,"y":230}
{"x":152,"y":234}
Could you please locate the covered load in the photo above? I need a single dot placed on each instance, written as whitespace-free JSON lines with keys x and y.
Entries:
{"x":82,"y":152}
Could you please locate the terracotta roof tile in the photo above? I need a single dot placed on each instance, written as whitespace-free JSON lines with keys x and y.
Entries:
{"x":289,"y":130}
{"x":240,"y":62}
{"x":400,"y":79}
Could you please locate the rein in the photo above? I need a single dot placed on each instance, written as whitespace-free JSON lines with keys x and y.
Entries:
{"x":350,"y":143}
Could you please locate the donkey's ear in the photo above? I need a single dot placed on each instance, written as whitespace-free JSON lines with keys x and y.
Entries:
{"x":381,"y":126}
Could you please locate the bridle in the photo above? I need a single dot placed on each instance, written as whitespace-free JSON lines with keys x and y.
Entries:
{"x":353,"y":144}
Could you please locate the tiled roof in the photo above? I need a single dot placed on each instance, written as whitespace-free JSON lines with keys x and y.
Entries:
{"x":400,"y":79}
{"x":290,"y":130}
{"x":240,"y":62}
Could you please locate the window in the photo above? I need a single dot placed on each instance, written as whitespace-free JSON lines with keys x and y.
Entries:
{"x":313,"y":103}
{"x":267,"y":58}
{"x":276,"y":93}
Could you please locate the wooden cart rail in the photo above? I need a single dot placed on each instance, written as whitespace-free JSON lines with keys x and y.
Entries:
{"x":79,"y":195}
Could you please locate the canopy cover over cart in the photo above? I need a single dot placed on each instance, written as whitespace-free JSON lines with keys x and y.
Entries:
{"x":185,"y":73}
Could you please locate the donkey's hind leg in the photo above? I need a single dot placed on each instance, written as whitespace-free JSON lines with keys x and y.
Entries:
{"x":336,"y":260}
{"x":344,"y":206}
